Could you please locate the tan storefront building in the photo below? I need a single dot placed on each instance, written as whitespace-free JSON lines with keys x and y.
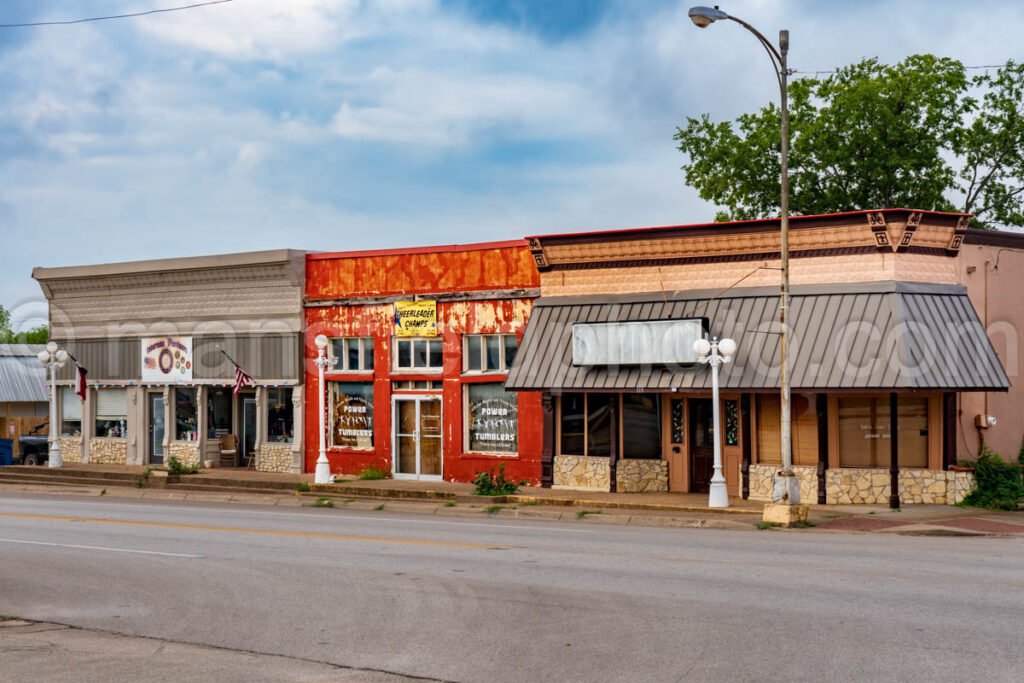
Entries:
{"x":159,"y":340}
{"x":881,"y":322}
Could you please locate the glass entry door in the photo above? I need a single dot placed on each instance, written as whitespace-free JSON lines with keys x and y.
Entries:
{"x":702,"y":444}
{"x":417,"y":421}
{"x":157,"y":426}
{"x":248,"y":442}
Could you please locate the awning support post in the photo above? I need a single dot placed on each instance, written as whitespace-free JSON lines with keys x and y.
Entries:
{"x":894,"y":451}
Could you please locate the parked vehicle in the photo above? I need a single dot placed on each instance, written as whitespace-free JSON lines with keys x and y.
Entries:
{"x":34,"y":448}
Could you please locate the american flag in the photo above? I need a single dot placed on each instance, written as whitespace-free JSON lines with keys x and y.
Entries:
{"x":241,"y":379}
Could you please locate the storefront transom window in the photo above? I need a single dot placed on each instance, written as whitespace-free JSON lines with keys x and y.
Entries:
{"x":418,"y":354}
{"x":489,"y":352}
{"x":352,"y":354}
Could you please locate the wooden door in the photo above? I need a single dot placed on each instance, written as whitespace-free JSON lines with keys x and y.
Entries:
{"x":675,"y":444}
{"x":702,"y":444}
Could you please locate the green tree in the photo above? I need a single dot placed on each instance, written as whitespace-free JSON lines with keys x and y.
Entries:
{"x":919,"y":134}
{"x":37,"y":335}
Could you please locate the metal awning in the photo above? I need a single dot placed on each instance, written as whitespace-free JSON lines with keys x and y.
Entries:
{"x":22,"y":377}
{"x":878,"y":336}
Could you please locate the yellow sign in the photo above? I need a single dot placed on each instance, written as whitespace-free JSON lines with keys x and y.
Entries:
{"x":415,"y":318}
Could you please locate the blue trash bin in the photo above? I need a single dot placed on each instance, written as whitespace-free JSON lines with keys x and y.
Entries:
{"x":6,"y":452}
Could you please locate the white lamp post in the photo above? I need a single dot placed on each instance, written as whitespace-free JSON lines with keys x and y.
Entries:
{"x":323,"y":468}
{"x":715,"y":353}
{"x":53,"y":359}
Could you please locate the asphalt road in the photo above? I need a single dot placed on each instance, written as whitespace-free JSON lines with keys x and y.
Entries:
{"x":506,"y":600}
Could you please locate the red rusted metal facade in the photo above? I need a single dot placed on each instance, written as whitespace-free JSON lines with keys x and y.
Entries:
{"x":479,"y":289}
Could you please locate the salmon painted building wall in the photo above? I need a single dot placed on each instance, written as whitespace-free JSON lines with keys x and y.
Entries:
{"x":427,"y":406}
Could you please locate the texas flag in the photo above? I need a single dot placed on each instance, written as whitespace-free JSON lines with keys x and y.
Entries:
{"x":80,"y":373}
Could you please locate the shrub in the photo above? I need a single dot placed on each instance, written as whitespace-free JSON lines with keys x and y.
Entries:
{"x":998,"y":484}
{"x":302,"y":487}
{"x":323,"y":503}
{"x":372,"y":473}
{"x":489,"y":485}
{"x":175,"y":466}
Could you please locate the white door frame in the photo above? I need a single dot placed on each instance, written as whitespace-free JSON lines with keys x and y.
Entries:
{"x":418,"y":399}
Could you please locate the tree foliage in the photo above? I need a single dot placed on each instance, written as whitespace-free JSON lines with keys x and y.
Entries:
{"x":37,"y":335}
{"x":919,"y":134}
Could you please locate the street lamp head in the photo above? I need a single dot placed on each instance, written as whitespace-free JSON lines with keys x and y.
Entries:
{"x":321,"y":341}
{"x":727,"y":347}
{"x":52,"y":347}
{"x":702,"y":17}
{"x":62,"y":356}
{"x":43,"y":356}
{"x":702,"y":347}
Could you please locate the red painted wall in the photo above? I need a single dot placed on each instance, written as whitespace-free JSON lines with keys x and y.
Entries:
{"x":495,"y":266}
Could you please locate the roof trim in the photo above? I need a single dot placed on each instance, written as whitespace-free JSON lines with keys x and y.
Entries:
{"x":878,"y":287}
{"x":995,"y":238}
{"x":405,"y":251}
{"x":741,"y":226}
{"x":248,"y":258}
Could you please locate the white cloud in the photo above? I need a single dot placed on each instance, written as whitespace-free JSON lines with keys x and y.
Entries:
{"x":258,"y":29}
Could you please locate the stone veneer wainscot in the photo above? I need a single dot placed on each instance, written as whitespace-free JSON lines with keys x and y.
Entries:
{"x":641,"y":476}
{"x":187,"y":452}
{"x":581,"y":472}
{"x":108,"y":451}
{"x":275,"y":457}
{"x":70,"y":449}
{"x":928,"y":487}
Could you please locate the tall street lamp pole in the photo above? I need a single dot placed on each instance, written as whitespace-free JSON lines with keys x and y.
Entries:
{"x":787,"y":486}
{"x":716,"y":354}
{"x":53,"y":359}
{"x":323,"y":468}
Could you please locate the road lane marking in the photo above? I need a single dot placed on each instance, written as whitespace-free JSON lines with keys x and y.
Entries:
{"x":99,"y":547}
{"x":261,"y":532}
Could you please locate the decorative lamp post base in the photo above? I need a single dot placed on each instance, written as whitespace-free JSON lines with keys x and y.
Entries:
{"x":54,"y":459}
{"x":323,"y":472}
{"x":718,"y":496}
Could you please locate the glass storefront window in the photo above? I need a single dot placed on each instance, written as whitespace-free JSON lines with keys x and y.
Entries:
{"x":599,"y":424}
{"x":280,"y":416}
{"x":641,"y":426}
{"x":586,"y":424}
{"x":71,"y":412}
{"x":218,"y":412}
{"x":111,"y":413}
{"x":573,"y":424}
{"x":865,"y":434}
{"x":185,"y":414}
{"x":351,"y":414}
{"x":492,"y":419}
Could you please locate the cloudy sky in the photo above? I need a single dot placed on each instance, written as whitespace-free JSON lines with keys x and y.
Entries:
{"x":347,"y":124}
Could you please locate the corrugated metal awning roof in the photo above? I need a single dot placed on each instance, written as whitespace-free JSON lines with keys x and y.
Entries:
{"x":22,"y":377}
{"x":864,"y":336}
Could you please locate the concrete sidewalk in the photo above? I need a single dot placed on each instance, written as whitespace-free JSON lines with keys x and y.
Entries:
{"x":446,"y":498}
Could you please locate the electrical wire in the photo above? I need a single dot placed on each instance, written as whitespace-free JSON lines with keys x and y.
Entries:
{"x":116,"y":16}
